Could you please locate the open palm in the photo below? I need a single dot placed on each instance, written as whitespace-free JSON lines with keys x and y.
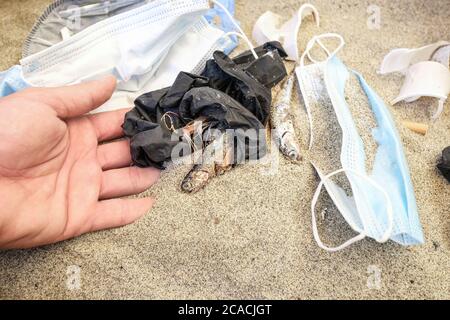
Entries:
{"x":57,"y":180}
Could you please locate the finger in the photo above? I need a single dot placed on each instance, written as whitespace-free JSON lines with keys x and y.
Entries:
{"x":114,"y":155}
{"x":75,"y":100}
{"x":108,"y":125}
{"x":118,"y":212}
{"x":127,"y":181}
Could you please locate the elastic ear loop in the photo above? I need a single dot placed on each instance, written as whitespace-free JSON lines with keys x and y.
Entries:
{"x":243,"y":37}
{"x":307,"y":53}
{"x":441,"y":102}
{"x":317,"y":39}
{"x":439,"y":110}
{"x":240,"y":32}
{"x":362,"y":235}
{"x":315,"y":14}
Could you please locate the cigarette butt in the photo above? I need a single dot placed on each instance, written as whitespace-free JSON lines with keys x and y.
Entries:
{"x":417,"y":127}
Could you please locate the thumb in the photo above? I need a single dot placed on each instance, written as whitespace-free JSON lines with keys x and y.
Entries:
{"x":75,"y":100}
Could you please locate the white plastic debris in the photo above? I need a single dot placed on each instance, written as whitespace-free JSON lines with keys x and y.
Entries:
{"x":426,"y":71}
{"x":269,"y":27}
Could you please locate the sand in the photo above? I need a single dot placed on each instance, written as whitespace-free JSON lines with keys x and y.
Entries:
{"x":248,"y":234}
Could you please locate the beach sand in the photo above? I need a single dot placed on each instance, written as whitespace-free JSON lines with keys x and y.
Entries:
{"x":248,"y":235}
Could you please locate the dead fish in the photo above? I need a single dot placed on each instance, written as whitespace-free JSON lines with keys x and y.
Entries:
{"x":282,"y":125}
{"x":198,"y":178}
{"x":220,"y":149}
{"x":227,"y":153}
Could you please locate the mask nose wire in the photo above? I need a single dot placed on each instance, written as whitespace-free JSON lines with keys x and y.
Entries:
{"x":240,"y":32}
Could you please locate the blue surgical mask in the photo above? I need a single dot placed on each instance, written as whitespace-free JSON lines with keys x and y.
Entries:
{"x":12,"y":81}
{"x":382,"y":205}
{"x":225,"y":23}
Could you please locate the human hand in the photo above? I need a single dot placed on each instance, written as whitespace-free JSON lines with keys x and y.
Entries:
{"x":56,"y":181}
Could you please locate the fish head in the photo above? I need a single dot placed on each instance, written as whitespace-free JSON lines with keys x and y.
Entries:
{"x":291,"y":152}
{"x":195,"y":181}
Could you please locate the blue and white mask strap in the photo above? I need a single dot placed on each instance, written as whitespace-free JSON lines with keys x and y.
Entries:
{"x":318,"y":39}
{"x":307,"y":53}
{"x":240,"y":33}
{"x":362,"y":235}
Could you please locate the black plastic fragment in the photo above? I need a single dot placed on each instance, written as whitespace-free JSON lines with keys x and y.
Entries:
{"x":444,"y":164}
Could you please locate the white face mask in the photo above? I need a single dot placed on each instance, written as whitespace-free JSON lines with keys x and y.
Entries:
{"x":64,"y":18}
{"x":181,"y":57}
{"x":127,"y":45}
{"x":145,"y":48}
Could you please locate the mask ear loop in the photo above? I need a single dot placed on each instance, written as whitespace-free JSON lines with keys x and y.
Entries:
{"x":307,"y":53}
{"x":240,"y":32}
{"x":314,"y":11}
{"x":318,"y":39}
{"x":301,"y":15}
{"x":243,"y":37}
{"x":362,"y":235}
{"x":439,"y":110}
